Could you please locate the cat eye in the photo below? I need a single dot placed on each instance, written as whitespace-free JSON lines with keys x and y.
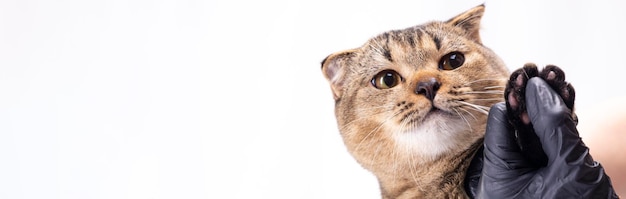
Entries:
{"x":386,"y":79}
{"x":451,"y":61}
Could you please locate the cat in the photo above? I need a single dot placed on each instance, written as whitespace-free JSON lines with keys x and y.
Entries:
{"x":411,"y":104}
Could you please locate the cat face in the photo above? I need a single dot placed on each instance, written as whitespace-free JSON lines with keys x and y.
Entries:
{"x":409,"y":97}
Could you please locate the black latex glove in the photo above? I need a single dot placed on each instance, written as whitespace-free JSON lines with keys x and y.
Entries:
{"x":571,"y":172}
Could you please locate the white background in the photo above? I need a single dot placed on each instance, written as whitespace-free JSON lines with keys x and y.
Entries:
{"x":225,"y":99}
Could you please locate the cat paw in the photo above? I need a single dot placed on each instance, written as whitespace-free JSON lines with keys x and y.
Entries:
{"x":515,"y":91}
{"x":514,"y":95}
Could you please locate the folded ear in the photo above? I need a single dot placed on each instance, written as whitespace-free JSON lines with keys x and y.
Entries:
{"x":334,"y":69}
{"x":469,"y":21}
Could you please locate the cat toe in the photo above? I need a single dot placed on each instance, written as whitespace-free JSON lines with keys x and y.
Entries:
{"x":555,"y":77}
{"x":552,"y":74}
{"x":515,"y":93}
{"x":568,"y":94}
{"x":515,"y":96}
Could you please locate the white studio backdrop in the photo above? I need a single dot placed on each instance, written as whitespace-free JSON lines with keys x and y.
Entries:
{"x":224,"y":99}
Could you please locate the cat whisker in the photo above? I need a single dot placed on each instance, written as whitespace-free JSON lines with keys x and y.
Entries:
{"x":526,"y":74}
{"x":387,"y":107}
{"x":479,"y":108}
{"x":362,"y":118}
{"x":412,"y":166}
{"x":469,"y":113}
{"x":378,"y":146}
{"x":374,"y":130}
{"x":489,"y":99}
{"x":482,"y":80}
{"x":348,"y":124}
{"x":411,"y":158}
{"x":493,"y":87}
{"x":484,"y":92}
{"x":394,"y":153}
{"x":413,"y":169}
{"x":463,"y":117}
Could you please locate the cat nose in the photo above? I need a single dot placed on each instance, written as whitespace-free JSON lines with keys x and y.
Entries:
{"x":428,"y":88}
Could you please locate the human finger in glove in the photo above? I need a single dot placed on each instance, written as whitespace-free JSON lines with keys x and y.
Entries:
{"x":507,"y":172}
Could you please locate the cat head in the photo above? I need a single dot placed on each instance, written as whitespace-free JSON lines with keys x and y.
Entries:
{"x":408,"y":97}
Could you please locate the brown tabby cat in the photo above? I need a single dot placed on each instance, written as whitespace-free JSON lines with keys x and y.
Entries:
{"x":411,"y":104}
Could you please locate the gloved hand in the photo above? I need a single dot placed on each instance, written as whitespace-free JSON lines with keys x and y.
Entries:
{"x":571,"y":172}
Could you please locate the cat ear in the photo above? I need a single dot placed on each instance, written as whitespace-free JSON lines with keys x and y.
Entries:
{"x":469,"y":21}
{"x":334,"y":71}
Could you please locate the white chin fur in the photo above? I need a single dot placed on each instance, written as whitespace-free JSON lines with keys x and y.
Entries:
{"x":437,"y":135}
